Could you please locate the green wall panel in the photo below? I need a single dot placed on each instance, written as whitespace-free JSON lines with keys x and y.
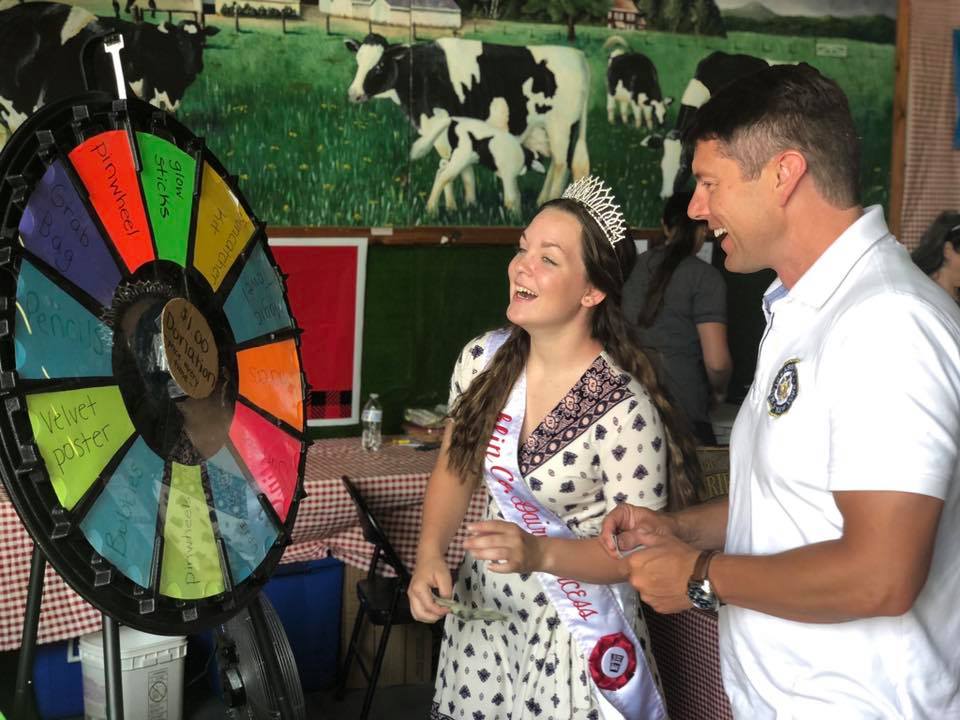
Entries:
{"x":422,"y":305}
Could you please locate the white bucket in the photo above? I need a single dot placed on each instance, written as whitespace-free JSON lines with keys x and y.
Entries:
{"x":152,"y":675}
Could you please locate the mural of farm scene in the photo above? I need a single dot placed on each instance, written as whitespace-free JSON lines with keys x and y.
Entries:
{"x":411,"y":112}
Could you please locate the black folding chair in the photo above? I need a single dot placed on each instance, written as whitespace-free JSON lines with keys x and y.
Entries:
{"x":383,"y":600}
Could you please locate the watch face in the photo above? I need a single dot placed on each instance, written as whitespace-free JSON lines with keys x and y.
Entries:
{"x":701,"y":595}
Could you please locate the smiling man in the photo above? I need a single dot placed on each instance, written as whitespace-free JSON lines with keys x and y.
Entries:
{"x":837,"y":555}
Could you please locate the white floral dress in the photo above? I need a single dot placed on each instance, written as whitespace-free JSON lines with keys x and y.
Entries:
{"x":601,"y":445}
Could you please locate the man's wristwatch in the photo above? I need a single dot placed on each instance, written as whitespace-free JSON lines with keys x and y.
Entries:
{"x":699,"y":588}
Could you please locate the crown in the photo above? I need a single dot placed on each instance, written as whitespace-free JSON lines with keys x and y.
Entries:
{"x":598,"y":200}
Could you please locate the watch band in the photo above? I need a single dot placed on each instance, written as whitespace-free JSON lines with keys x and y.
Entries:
{"x":706,"y":576}
{"x":702,"y":566}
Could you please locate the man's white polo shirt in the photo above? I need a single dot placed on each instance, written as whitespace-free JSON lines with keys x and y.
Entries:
{"x":857,"y":387}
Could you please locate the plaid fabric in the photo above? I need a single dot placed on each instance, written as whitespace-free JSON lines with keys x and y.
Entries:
{"x":329,"y":404}
{"x":688,"y":658}
{"x":393,"y":481}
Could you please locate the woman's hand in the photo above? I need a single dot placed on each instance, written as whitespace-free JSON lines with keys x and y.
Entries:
{"x":505,"y":547}
{"x":431,"y":574}
{"x":627,"y":525}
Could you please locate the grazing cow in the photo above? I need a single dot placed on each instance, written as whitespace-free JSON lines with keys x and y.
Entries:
{"x":469,"y":142}
{"x":713,"y":72}
{"x":514,"y":88}
{"x":633,"y":84}
{"x":41,"y":46}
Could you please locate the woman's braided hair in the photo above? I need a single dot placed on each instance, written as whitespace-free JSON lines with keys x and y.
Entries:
{"x":475,"y":412}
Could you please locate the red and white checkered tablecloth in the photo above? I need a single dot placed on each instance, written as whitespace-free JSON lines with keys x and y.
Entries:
{"x":686,"y":648}
{"x":393,"y":481}
{"x":63,"y":613}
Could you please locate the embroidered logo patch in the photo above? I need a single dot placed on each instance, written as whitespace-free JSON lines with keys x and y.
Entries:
{"x":786,"y":385}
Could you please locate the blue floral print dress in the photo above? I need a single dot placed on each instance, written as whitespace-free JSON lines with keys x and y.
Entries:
{"x":603,"y":444}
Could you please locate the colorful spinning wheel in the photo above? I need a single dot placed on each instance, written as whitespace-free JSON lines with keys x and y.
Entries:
{"x":152,"y":395}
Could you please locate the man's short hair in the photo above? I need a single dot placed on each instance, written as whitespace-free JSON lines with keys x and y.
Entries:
{"x":786,"y":107}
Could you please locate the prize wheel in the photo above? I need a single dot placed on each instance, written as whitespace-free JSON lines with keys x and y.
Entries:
{"x":152,"y":422}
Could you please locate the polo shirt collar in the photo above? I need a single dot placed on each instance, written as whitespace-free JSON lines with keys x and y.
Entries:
{"x":776,"y":291}
{"x":822,"y":278}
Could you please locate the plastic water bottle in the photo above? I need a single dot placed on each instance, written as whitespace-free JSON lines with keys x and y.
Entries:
{"x":370,"y":419}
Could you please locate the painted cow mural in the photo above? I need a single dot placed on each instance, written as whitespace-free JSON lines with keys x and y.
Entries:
{"x":465,"y":142}
{"x":713,"y":72}
{"x":41,"y":46}
{"x":521,"y":90}
{"x":634,"y":86}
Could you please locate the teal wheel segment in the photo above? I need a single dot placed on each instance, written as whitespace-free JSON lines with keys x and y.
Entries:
{"x":248,"y":532}
{"x":122,"y":523}
{"x":55,"y":336}
{"x":256,"y":305}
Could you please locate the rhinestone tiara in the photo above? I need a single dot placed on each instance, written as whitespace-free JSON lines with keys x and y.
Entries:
{"x":598,"y":200}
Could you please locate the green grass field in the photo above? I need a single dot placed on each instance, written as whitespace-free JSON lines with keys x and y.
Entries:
{"x":273,"y":107}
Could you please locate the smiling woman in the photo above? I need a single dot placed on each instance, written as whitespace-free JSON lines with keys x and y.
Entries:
{"x":562,"y":417}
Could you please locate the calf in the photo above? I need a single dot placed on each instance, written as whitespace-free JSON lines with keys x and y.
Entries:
{"x":514,"y":88}
{"x":41,"y":48}
{"x":469,"y":142}
{"x":632,"y":83}
{"x":713,"y":72}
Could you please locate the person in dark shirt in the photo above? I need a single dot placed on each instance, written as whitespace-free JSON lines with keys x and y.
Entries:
{"x":938,"y":253}
{"x":677,"y":304}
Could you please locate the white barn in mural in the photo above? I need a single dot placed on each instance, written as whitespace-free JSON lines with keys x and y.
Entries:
{"x":428,"y":13}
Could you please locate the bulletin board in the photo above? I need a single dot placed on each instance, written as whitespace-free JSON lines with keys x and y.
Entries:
{"x":325,"y":284}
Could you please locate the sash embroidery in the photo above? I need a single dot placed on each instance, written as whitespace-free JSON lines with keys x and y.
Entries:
{"x":590,"y":612}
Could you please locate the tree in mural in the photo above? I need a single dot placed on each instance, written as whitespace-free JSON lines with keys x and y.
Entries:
{"x":569,"y":12}
{"x":692,"y":17}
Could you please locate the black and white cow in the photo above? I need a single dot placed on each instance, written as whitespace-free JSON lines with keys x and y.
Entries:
{"x":713,"y":72}
{"x":163,"y":60}
{"x":468,"y":142}
{"x":633,"y":84}
{"x":512,"y":88}
{"x":41,"y":46}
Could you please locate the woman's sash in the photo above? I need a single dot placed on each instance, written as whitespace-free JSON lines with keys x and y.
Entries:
{"x":591,"y":613}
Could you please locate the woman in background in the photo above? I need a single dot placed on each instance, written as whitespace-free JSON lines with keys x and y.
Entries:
{"x":561,"y":417}
{"x":938,"y":253}
{"x":677,"y":305}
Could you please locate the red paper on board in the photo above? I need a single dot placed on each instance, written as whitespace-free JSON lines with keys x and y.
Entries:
{"x":322,"y":291}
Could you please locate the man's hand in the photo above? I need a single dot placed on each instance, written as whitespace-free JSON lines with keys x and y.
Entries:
{"x":661,"y":570}
{"x":629,"y":523}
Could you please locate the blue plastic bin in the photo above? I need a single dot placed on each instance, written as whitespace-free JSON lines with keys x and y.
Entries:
{"x":307,"y":597}
{"x":58,"y":680}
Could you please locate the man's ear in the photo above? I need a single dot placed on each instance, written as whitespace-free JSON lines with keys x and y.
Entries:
{"x":592,"y":297}
{"x":790,"y":166}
